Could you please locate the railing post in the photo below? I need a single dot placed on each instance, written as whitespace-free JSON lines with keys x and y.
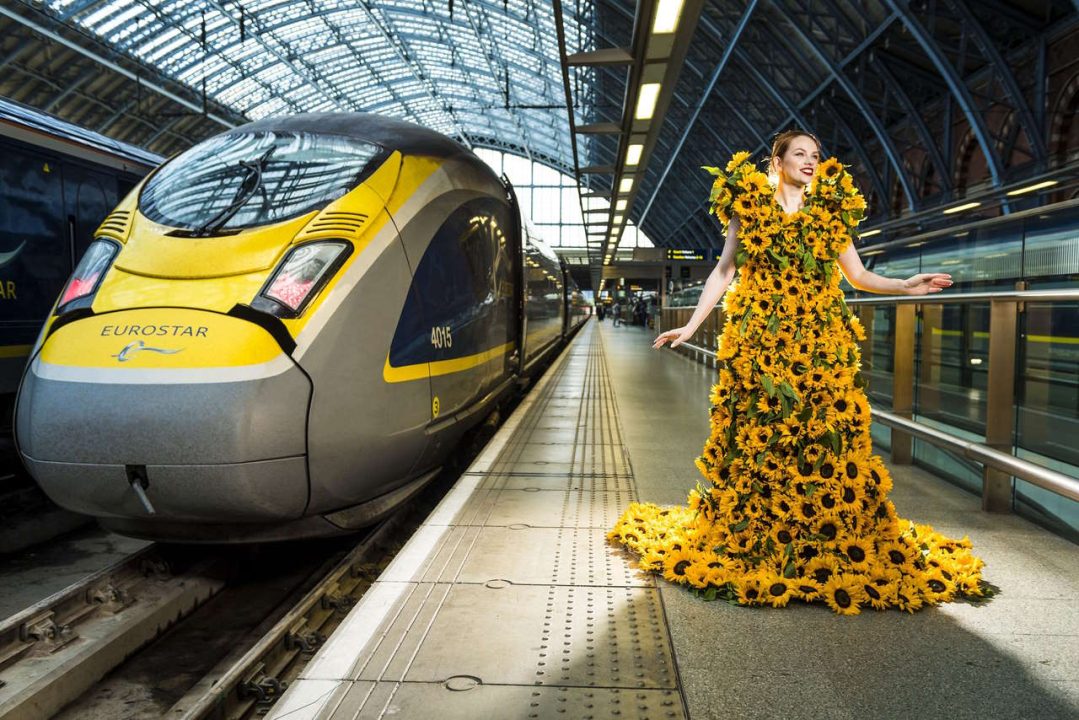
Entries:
{"x":1000,"y":402}
{"x":903,"y":380}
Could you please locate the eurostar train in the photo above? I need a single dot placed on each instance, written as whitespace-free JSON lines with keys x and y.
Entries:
{"x":283,"y":331}
{"x":57,"y":183}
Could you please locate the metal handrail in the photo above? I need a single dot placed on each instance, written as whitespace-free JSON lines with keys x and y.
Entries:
{"x":1039,"y":475}
{"x":972,"y":297}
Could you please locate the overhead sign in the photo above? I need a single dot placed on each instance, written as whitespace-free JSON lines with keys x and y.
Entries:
{"x":685,"y":255}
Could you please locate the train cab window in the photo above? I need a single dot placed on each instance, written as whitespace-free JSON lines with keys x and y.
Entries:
{"x":246,"y":179}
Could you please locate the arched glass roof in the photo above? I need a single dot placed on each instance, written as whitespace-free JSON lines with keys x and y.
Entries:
{"x":484,"y":71}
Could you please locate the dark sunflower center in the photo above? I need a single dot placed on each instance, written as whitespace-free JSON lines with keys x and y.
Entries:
{"x":827,"y":501}
{"x":896,"y":557}
{"x":724,"y":473}
{"x":631,"y":536}
{"x":827,"y":470}
{"x":784,"y":537}
{"x":808,"y":552}
{"x":714,"y":564}
{"x":848,"y":495}
{"x":842,"y":598}
{"x":808,"y":510}
{"x":822,"y":575}
{"x":856,"y":553}
{"x":752,"y":593}
{"x":852,"y":470}
{"x":777,"y":589}
{"x":841,"y":405}
{"x":936,"y":586}
{"x":872,"y":592}
{"x":828,"y":530}
{"x":807,"y":589}
{"x":805,"y":470}
{"x":876,"y":477}
{"x":680,"y":567}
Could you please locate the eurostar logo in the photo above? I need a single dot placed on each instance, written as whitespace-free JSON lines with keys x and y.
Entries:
{"x":138,"y":346}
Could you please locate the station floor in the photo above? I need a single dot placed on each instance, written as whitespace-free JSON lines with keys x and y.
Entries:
{"x":508,"y":603}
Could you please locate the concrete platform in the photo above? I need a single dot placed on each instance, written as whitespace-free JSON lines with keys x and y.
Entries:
{"x":508,"y":603}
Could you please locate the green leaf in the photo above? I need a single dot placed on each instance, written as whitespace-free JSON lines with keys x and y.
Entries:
{"x":769,"y":385}
{"x":739,"y":526}
{"x":785,"y":403}
{"x":788,"y":550}
{"x":773,"y":324}
{"x":745,"y":322}
{"x":806,"y":414}
{"x":710,"y":594}
{"x":789,"y":569}
{"x":811,"y":488}
{"x":740,"y":258}
{"x":786,"y":388}
{"x":712,"y":170}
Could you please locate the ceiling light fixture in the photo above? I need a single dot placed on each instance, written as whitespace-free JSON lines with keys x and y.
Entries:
{"x":667,"y":15}
{"x":626,"y":185}
{"x":869,"y":233}
{"x":961,"y":208}
{"x":620,"y":205}
{"x":646,"y":101}
{"x":633,"y":153}
{"x":1032,"y":188}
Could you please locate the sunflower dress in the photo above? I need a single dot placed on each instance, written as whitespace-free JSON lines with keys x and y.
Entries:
{"x":795,"y":504}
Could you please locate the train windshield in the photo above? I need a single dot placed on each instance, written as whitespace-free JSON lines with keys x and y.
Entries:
{"x":242,"y":180}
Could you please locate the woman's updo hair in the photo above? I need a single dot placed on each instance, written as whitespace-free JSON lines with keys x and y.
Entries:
{"x":780,"y":146}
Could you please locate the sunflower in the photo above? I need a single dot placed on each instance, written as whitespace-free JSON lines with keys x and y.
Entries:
{"x":938,"y":588}
{"x":827,"y":527}
{"x":851,"y":494}
{"x":844,"y":594}
{"x":782,"y":534}
{"x":756,"y":243}
{"x":749,"y":589}
{"x":777,"y":590}
{"x":737,"y":159}
{"x":898,"y":555}
{"x":806,"y":588}
{"x":859,"y":552}
{"x":910,"y":594}
{"x":877,"y":596}
{"x":820,"y":569}
{"x":675,"y":564}
{"x":698,"y":574}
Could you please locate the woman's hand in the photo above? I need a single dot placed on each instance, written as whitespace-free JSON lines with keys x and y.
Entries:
{"x":926,"y":283}
{"x":675,"y":337}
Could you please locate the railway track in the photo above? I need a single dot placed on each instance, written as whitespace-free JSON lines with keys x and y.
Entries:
{"x":53,"y":651}
{"x":116,"y":644}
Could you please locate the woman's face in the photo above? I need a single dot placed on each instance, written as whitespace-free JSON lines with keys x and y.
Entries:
{"x":799,"y":162}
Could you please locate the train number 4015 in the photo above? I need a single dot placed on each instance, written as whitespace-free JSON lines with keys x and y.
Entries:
{"x":441,"y":337}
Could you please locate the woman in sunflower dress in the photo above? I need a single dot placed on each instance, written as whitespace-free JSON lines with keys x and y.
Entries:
{"x":795,"y":505}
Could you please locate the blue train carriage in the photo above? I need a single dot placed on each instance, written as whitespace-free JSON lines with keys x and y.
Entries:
{"x":57,"y":183}
{"x":284,"y":330}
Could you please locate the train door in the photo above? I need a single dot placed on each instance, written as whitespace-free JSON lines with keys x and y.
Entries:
{"x":88,"y":198}
{"x":35,"y":256}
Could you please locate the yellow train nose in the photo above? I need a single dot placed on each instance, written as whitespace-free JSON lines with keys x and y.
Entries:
{"x":206,"y":408}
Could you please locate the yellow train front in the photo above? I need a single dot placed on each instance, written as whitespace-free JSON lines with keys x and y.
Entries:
{"x":284,"y":330}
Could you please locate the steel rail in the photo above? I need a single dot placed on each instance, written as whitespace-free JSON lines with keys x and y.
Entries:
{"x":258,"y":678}
{"x":55,"y":650}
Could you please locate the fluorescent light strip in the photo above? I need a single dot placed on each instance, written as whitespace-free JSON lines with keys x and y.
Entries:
{"x":620,"y":205}
{"x":626,"y":185}
{"x":667,"y":15}
{"x":646,"y":101}
{"x":961,"y":208}
{"x":633,"y":153}
{"x":869,"y":233}
{"x":1032,"y":188}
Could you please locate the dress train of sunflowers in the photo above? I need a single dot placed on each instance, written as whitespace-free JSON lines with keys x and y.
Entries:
{"x":795,"y":505}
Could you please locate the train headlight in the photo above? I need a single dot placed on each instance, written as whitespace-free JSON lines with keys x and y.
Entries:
{"x":81,"y":288}
{"x":300,"y":277}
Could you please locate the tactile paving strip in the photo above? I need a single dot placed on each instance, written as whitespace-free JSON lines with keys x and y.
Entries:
{"x":520,"y":608}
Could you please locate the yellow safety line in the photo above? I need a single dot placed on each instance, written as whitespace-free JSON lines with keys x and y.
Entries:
{"x":441,"y":367}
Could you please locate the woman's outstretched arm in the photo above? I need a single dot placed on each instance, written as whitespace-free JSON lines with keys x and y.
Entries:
{"x":862,"y":279}
{"x":714,"y":287}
